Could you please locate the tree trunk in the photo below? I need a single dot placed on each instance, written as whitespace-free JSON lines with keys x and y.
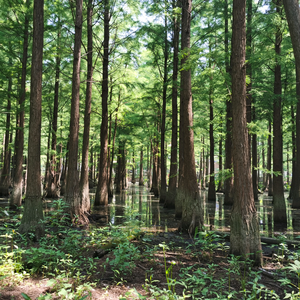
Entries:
{"x":133,"y":169}
{"x":212,"y":185}
{"x":101,"y":197}
{"x":52,"y":187}
{"x":171,"y":195}
{"x":228,"y":182}
{"x":16,"y":196}
{"x":188,"y":192}
{"x":163,"y":185}
{"x":279,"y":208}
{"x":141,"y":179}
{"x":72,"y":187}
{"x":244,"y":236}
{"x":110,"y":181}
{"x":5,"y":174}
{"x":33,"y":209}
{"x":84,"y":178}
{"x":292,"y":11}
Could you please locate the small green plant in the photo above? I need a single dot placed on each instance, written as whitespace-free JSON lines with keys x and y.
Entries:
{"x":124,"y":262}
{"x":294,"y":268}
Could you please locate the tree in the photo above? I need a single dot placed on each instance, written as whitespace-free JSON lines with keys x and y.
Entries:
{"x":278,"y":190}
{"x":188,"y":192}
{"x":101,"y":197}
{"x":84,"y":178}
{"x":292,"y":11}
{"x":72,"y":186}
{"x":33,"y":210}
{"x":171,"y":194}
{"x":16,"y":196}
{"x":244,"y":234}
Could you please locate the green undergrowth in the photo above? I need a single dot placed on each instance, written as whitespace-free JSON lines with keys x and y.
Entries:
{"x":66,"y":257}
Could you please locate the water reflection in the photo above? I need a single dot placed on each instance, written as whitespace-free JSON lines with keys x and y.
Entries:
{"x":137,"y":203}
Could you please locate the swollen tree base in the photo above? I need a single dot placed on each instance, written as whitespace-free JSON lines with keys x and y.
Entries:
{"x":245,"y":236}
{"x":32,"y":220}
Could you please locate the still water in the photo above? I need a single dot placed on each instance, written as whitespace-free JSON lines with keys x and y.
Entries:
{"x":136,"y":203}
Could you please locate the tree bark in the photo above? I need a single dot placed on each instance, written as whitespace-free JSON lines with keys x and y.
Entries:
{"x":52,"y":182}
{"x":163,"y":185}
{"x":84,"y":178}
{"x":101,"y":197}
{"x":228,"y":181}
{"x":279,"y":207}
{"x":5,"y":173}
{"x":171,"y":194}
{"x":141,"y":178}
{"x":33,"y":209}
{"x":188,"y":192}
{"x":244,"y":236}
{"x":292,"y":11}
{"x":72,"y":186}
{"x":16,"y":196}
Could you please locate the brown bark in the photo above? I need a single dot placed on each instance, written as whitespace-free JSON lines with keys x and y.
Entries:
{"x":292,"y":11}
{"x":5,"y":172}
{"x":163,"y":182}
{"x":269,"y":183}
{"x":244,"y":236}
{"x":33,"y":209}
{"x":101,"y":197}
{"x":72,"y":186}
{"x":16,"y":196}
{"x":110,"y":181}
{"x":155,"y":169}
{"x":212,"y":185}
{"x":133,"y":169}
{"x":141,"y":178}
{"x":279,"y":207}
{"x":228,"y":181}
{"x":52,"y":183}
{"x":171,"y":194}
{"x":188,"y":192}
{"x":84,"y":178}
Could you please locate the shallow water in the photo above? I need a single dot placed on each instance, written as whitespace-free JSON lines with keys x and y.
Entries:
{"x":136,"y":203}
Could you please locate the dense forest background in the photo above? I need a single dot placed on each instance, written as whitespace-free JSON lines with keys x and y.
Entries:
{"x":110,"y":90}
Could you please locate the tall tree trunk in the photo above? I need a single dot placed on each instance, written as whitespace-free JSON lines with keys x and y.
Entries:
{"x":171,"y":195}
{"x":244,"y":236}
{"x":279,"y":208}
{"x":228,"y":182}
{"x":155,"y":169}
{"x":269,"y":185}
{"x":72,"y":187}
{"x":133,"y":169}
{"x":292,"y":11}
{"x":84,"y":178}
{"x":188,"y":192}
{"x":16,"y":196}
{"x":101,"y":197}
{"x":220,"y":185}
{"x":33,"y":209}
{"x":212,"y":185}
{"x":141,"y":178}
{"x":110,"y":183}
{"x":163,"y":185}
{"x":5,"y":173}
{"x":52,"y":188}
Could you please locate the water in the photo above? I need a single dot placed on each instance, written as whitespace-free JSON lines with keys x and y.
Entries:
{"x":137,"y":203}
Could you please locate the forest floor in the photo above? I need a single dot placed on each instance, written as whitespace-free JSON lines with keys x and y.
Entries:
{"x":99,"y":263}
